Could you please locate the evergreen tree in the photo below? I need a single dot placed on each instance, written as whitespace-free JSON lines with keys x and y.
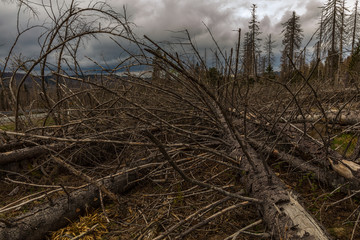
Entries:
{"x":342,"y":36}
{"x":293,"y":35}
{"x":318,"y":48}
{"x":237,"y":57}
{"x":318,"y":44}
{"x":254,"y":41}
{"x":269,"y":58}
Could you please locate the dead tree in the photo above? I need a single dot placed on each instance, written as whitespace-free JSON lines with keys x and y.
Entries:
{"x":56,"y":213}
{"x":173,"y":127}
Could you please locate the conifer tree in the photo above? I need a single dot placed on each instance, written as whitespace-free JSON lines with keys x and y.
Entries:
{"x":269,"y":58}
{"x":343,"y":28}
{"x":293,"y":35}
{"x":254,"y":41}
{"x":343,"y":33}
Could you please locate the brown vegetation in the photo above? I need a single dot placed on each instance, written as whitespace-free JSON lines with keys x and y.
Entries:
{"x":191,"y":153}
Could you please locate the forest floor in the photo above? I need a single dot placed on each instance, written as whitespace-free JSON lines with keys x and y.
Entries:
{"x":160,"y":200}
{"x":156,"y":203}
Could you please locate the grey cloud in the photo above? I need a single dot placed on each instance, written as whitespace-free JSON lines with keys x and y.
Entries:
{"x":27,"y":45}
{"x":179,"y":15}
{"x":156,"y":17}
{"x":311,"y":18}
{"x":7,"y":25}
{"x":266,"y":25}
{"x":310,"y":22}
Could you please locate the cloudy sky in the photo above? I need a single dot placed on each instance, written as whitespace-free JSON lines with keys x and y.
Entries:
{"x":159,"y":19}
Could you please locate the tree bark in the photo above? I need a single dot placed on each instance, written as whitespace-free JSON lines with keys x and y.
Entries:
{"x":314,"y":151}
{"x":344,"y":118}
{"x":13,"y":146}
{"x":25,"y":153}
{"x":281,"y":211}
{"x":329,"y":178}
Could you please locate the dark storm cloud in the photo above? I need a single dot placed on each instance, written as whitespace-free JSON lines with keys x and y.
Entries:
{"x":159,"y":16}
{"x":311,"y":18}
{"x":309,"y":13}
{"x":165,"y":21}
{"x":27,"y":45}
{"x":7,"y":26}
{"x":160,"y":19}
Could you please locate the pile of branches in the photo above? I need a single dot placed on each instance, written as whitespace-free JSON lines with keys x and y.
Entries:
{"x":215,"y":137}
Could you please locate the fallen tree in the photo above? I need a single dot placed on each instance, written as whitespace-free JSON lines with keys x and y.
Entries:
{"x":283,"y":213}
{"x":27,"y":153}
{"x":333,"y":117}
{"x":56,"y":214}
{"x":292,"y":220}
{"x":322,"y":155}
{"x":185,"y":107}
{"x":10,"y":146}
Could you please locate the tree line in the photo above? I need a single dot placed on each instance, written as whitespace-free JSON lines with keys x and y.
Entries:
{"x":336,"y":43}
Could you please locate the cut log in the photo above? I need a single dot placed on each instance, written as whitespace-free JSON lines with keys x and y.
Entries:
{"x":57,"y":213}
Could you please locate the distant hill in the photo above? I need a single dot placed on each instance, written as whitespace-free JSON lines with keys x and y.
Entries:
{"x":50,"y":79}
{"x":18,"y":77}
{"x":29,"y":81}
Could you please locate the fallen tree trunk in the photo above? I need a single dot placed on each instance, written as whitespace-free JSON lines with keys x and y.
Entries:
{"x":281,"y":211}
{"x":25,"y":153}
{"x":341,"y":174}
{"x":323,"y":155}
{"x":343,"y":118}
{"x":13,"y":146}
{"x":336,"y":170}
{"x":57,"y":213}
